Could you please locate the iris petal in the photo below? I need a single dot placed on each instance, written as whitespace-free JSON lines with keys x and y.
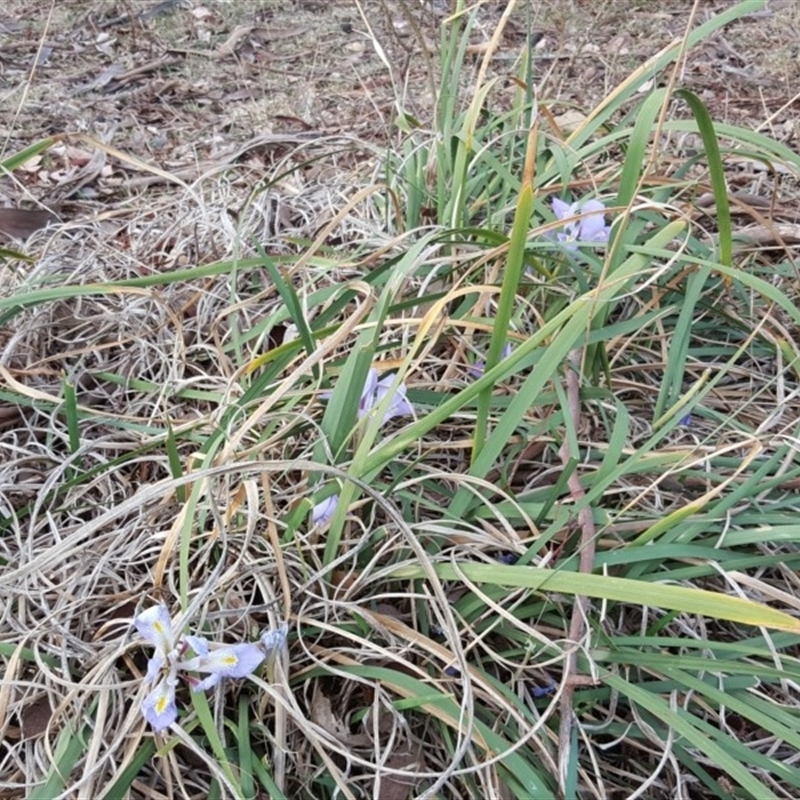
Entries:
{"x":235,"y":661}
{"x":375,"y":390}
{"x":563,"y":210}
{"x":368,"y":393}
{"x":230,"y":661}
{"x":198,"y":644}
{"x":155,"y":626}
{"x":154,"y":666}
{"x":159,"y":707}
{"x":323,"y":511}
{"x":398,"y":404}
{"x":586,"y":226}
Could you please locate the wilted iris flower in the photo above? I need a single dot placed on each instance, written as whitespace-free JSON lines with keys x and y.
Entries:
{"x":589,"y":227}
{"x":274,"y":640}
{"x":215,"y":660}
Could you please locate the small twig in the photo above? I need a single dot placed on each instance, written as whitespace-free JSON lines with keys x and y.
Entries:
{"x":587,"y":549}
{"x":229,"y":46}
{"x":143,"y":16}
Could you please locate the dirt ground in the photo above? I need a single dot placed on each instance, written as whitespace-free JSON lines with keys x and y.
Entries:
{"x":184,"y":83}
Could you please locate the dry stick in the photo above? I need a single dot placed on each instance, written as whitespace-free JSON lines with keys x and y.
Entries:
{"x":587,"y":548}
{"x":280,"y":746}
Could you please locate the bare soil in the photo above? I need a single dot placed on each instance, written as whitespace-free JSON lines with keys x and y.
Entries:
{"x":179,"y":82}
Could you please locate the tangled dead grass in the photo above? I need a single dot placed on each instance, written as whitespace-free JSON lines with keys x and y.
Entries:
{"x":82,"y":554}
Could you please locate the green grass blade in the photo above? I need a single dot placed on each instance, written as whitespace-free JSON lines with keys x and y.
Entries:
{"x":68,"y":750}
{"x":719,"y":185}
{"x":73,"y":421}
{"x":271,"y":788}
{"x":604,"y":587}
{"x":206,"y":720}
{"x":247,"y":758}
{"x":637,"y":147}
{"x":683,"y":726}
{"x":293,"y":304}
{"x":512,"y":274}
{"x":15,"y":161}
{"x":174,"y":460}
{"x":122,"y":785}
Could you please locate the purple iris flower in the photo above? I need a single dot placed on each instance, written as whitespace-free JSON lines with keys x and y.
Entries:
{"x":372,"y":396}
{"x":589,"y":227}
{"x":374,"y":392}
{"x":323,"y":511}
{"x":155,"y":627}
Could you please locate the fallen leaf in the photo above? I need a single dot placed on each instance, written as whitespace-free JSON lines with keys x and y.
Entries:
{"x":322,"y":714}
{"x":20,"y":223}
{"x":401,"y":787}
{"x":35,"y":717}
{"x":32,"y":164}
{"x":570,"y":120}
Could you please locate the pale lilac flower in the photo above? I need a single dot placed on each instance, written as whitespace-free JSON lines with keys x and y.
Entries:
{"x":220,"y":661}
{"x":155,"y":626}
{"x":374,"y":392}
{"x":159,"y":707}
{"x":589,"y":227}
{"x":323,"y":511}
{"x":478,"y":368}
{"x":216,"y":660}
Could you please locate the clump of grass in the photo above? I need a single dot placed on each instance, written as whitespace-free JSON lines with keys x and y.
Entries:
{"x":552,"y":580}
